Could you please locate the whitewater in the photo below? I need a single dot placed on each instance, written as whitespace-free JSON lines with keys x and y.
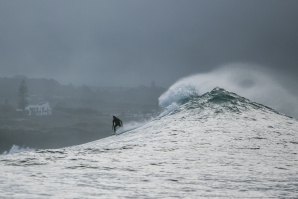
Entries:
{"x":212,"y":144}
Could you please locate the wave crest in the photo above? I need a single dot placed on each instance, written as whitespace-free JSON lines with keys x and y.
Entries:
{"x":177,"y":93}
{"x":246,"y":80}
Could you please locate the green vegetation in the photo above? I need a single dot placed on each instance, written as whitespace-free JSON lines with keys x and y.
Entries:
{"x":23,"y":102}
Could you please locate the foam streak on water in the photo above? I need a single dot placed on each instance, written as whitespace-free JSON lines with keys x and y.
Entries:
{"x":216,"y":145}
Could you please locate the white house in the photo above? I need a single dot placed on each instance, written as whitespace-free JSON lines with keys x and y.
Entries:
{"x":39,"y":109}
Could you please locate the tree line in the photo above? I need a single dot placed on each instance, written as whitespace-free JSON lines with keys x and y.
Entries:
{"x":22,"y":101}
{"x":15,"y":92}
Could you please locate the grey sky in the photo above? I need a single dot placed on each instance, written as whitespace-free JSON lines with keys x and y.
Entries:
{"x":129,"y":43}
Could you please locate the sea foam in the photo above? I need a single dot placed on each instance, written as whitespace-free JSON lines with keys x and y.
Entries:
{"x":246,"y":80}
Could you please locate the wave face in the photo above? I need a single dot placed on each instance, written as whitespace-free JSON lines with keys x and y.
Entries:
{"x":220,"y":101}
{"x":218,"y":144}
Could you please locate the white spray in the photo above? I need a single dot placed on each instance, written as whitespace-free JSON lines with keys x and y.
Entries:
{"x":17,"y":149}
{"x":246,"y":80}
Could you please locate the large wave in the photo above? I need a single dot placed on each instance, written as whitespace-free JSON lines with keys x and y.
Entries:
{"x":246,"y":80}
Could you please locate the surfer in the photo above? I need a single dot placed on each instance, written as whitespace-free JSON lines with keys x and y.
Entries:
{"x":116,"y":122}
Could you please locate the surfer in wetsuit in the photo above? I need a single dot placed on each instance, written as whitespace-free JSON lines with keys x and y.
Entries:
{"x":116,"y":122}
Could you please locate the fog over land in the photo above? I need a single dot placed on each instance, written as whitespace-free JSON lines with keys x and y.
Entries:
{"x":131,"y":43}
{"x":206,"y":91}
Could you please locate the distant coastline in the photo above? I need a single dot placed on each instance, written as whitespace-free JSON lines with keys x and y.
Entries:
{"x":50,"y":139}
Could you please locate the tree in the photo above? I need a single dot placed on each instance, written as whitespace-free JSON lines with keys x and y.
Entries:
{"x":23,"y":102}
{"x":6,"y":107}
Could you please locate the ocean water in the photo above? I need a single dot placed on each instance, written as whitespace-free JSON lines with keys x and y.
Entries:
{"x":215,"y":145}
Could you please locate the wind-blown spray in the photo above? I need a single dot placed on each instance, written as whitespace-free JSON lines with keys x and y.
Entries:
{"x":249,"y":81}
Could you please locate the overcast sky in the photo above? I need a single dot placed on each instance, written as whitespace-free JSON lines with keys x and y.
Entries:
{"x":132,"y":42}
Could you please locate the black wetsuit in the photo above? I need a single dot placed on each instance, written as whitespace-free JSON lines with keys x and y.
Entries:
{"x":116,"y":122}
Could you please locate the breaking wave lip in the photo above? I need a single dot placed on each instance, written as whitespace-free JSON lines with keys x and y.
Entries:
{"x":176,"y":93}
{"x":169,"y":109}
{"x":17,"y":149}
{"x":244,"y":79}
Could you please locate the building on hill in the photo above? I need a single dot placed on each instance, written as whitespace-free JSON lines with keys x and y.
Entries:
{"x":39,"y":109}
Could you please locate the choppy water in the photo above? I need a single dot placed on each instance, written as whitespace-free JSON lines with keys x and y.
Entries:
{"x":216,"y":145}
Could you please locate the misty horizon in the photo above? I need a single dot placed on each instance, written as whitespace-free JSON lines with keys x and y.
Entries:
{"x":79,"y":85}
{"x":132,"y":43}
{"x":205,"y":92}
